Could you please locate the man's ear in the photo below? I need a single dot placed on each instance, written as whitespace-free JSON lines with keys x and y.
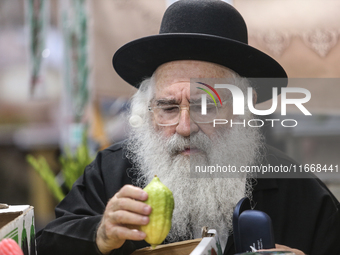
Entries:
{"x":254,"y":97}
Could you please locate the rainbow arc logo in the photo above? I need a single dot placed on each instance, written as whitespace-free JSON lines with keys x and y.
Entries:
{"x":209,"y":93}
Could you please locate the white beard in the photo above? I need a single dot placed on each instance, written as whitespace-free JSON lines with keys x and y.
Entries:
{"x":198,"y":201}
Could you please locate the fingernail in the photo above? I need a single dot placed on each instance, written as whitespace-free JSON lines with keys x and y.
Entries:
{"x":146,"y":209}
{"x":142,"y":235}
{"x":145,"y":219}
{"x":144,"y":195}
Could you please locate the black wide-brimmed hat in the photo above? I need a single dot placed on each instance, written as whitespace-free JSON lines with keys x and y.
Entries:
{"x":206,"y":30}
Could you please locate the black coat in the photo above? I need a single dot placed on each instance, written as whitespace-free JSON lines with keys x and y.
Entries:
{"x":305,"y":215}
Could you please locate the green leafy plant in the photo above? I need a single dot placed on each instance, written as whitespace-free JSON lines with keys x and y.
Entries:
{"x":73,"y":166}
{"x":43,"y":169}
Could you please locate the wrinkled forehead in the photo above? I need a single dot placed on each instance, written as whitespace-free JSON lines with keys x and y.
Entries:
{"x":178,"y":74}
{"x":184,"y":70}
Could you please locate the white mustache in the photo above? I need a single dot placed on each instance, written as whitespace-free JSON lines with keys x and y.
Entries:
{"x":177,"y":143}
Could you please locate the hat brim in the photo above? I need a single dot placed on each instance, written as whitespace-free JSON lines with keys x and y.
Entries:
{"x":138,"y":59}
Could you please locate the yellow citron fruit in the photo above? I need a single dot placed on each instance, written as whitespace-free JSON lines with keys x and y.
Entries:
{"x":161,"y":200}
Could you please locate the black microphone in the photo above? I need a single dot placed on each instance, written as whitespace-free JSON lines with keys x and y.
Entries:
{"x":252,"y":229}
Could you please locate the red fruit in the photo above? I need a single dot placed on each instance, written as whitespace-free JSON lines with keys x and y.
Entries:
{"x":10,"y":247}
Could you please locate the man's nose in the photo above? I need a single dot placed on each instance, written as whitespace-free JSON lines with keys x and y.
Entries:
{"x":186,"y":126}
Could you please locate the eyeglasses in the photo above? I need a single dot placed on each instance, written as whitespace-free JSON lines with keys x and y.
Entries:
{"x":168,"y":115}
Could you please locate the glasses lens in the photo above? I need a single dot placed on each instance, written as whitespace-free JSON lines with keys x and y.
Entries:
{"x":169,"y":115}
{"x":197,"y":115}
{"x":166,"y":115}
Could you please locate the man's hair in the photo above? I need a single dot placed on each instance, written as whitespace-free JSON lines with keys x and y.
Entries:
{"x":141,"y":99}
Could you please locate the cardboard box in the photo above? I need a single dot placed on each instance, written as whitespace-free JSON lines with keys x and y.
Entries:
{"x":202,"y":246}
{"x":179,"y":248}
{"x":17,"y":223}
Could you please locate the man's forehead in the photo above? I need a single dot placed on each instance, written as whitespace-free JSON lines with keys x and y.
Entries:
{"x":184,"y":70}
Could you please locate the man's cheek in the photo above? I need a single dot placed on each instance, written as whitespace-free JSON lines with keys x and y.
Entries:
{"x":166,"y":131}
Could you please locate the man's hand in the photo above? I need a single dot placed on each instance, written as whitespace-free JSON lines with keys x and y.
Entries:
{"x":279,"y":247}
{"x":123,"y":215}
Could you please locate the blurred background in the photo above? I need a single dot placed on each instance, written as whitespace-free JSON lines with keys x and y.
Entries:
{"x":59,"y":92}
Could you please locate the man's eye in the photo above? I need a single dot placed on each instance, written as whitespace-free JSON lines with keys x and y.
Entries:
{"x":170,"y":109}
{"x":195,"y":108}
{"x":211,"y":107}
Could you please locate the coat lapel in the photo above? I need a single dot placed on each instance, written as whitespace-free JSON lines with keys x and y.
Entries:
{"x":230,"y":247}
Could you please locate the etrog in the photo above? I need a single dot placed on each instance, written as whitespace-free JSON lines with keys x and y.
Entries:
{"x":161,"y":200}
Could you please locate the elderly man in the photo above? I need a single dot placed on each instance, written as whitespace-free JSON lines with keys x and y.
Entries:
{"x":202,"y":40}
